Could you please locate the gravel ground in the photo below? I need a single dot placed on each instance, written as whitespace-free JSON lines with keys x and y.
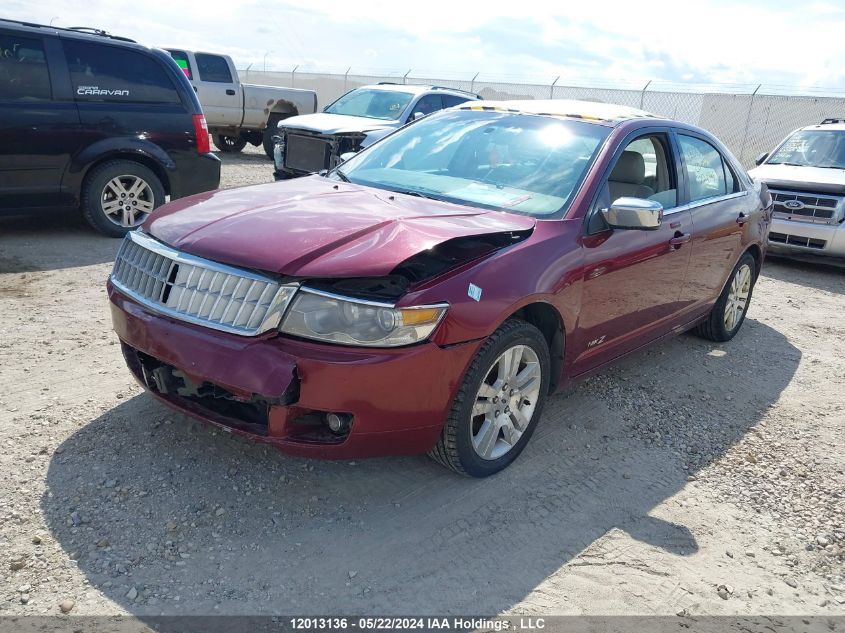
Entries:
{"x":693,"y":478}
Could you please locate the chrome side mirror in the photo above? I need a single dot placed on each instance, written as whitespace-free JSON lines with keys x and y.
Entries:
{"x":634,"y":213}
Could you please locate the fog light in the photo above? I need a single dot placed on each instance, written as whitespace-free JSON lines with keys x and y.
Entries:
{"x":338,"y":422}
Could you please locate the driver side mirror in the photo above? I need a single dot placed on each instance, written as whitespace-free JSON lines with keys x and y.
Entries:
{"x":417,"y":115}
{"x":634,"y":213}
{"x":762,"y":157}
{"x":346,"y":156}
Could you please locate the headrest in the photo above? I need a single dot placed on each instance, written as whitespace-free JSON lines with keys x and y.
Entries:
{"x":630,"y":169}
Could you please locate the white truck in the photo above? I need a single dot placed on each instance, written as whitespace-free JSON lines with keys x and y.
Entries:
{"x":238,"y":113}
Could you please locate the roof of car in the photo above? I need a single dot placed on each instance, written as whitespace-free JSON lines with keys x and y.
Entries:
{"x":567,"y":108}
{"x":416,"y":88}
{"x":837,"y":127}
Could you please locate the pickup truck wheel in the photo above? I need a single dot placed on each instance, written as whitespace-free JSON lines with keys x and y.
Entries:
{"x":229,"y":144}
{"x":498,"y":404}
{"x":119,"y":195}
{"x":270,"y":131}
{"x":729,"y":311}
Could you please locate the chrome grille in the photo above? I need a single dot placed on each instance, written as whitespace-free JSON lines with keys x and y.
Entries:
{"x":809,"y":207}
{"x":198,"y":290}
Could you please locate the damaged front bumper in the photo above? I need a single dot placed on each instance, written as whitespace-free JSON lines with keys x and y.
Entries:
{"x":278,"y":390}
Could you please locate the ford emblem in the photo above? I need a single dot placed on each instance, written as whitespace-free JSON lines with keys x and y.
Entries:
{"x":793,"y":204}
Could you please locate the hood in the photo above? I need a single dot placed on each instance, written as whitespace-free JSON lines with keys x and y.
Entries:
{"x":326,"y":123}
{"x":818,"y":178}
{"x":315,"y":227}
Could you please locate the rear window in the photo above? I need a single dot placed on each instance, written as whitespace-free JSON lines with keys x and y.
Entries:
{"x":23,"y":69}
{"x":181,"y":59}
{"x":213,"y":68}
{"x":110,"y":73}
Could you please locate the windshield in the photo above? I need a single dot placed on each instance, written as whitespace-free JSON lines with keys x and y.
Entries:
{"x":511,"y":162}
{"x":812,"y":148}
{"x":374,"y":104}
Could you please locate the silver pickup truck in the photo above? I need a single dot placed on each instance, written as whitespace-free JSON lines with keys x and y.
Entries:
{"x":239,"y":113}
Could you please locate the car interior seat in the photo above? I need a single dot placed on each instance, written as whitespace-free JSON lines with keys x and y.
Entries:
{"x":628,"y":178}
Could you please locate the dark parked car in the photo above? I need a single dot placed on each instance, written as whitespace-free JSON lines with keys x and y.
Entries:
{"x":99,"y":123}
{"x":310,"y":143}
{"x":430,"y":292}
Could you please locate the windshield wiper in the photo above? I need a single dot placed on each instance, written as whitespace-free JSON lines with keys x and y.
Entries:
{"x":341,"y":175}
{"x":790,"y":164}
{"x":416,"y":193}
{"x":829,"y":166}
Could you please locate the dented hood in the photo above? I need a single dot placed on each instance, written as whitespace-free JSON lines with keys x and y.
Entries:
{"x":314,"y":227}
{"x":327,"y":123}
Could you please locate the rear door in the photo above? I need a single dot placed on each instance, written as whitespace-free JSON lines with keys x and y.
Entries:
{"x":39,"y":123}
{"x":719,"y":204}
{"x":218,"y":90}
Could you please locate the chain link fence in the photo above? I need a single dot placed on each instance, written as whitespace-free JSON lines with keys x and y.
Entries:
{"x":748,"y":122}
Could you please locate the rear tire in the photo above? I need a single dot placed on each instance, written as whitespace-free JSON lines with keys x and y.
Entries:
{"x":117,"y":196}
{"x":270,"y":131}
{"x":491,"y":421}
{"x":728,"y":313}
{"x":229,"y":144}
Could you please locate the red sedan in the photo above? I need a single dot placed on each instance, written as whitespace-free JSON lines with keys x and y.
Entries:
{"x":431,"y":292}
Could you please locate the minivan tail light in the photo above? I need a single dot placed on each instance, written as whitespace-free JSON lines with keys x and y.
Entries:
{"x":201,"y":131}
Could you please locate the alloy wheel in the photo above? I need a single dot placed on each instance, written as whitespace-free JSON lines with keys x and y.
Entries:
{"x":738,"y":294}
{"x":127,"y":200}
{"x":505,"y":402}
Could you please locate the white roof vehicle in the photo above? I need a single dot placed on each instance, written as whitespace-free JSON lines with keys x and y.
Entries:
{"x":806,"y":177}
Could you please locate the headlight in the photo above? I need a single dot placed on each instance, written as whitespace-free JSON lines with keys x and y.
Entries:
{"x":327,"y":317}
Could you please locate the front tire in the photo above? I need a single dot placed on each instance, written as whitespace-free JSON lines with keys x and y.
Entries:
{"x":728,"y":313}
{"x":497,"y":406}
{"x":119,"y":195}
{"x":229,"y":144}
{"x":270,"y":131}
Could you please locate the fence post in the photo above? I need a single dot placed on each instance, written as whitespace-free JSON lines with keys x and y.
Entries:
{"x":345,"y":77}
{"x":748,"y":122}
{"x":642,"y":94}
{"x":552,"y":88}
{"x":292,"y":78}
{"x":405,"y":77}
{"x":472,"y":82}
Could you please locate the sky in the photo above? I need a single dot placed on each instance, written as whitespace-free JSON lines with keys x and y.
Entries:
{"x":778,"y":43}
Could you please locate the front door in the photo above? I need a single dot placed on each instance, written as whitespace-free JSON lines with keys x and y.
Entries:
{"x":633,"y":278}
{"x":218,"y":90}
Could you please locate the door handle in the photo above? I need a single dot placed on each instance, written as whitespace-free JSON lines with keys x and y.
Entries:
{"x":230,"y":92}
{"x":680,"y":238}
{"x":741,"y":219}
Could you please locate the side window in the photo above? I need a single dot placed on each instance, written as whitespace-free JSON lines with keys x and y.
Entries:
{"x":213,"y":68}
{"x":453,"y":100}
{"x":23,"y":69}
{"x":100,"y":72}
{"x":706,"y":170}
{"x":181,"y":59}
{"x":428,"y":104}
{"x":644,"y":169}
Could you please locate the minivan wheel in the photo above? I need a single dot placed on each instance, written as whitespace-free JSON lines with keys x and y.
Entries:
{"x":119,"y":195}
{"x":229,"y":144}
{"x":729,"y":311}
{"x":498,"y":404}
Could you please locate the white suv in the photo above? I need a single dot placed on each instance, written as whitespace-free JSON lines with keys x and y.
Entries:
{"x":806,"y":177}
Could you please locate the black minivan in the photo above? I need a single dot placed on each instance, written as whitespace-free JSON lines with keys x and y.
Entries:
{"x":99,"y":123}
